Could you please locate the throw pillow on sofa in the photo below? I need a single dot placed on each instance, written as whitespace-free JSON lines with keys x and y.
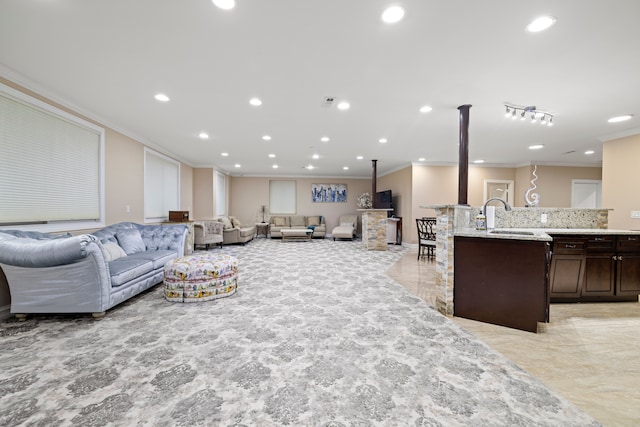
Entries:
{"x":235,"y":222}
{"x":130,"y":240}
{"x":313,"y":220}
{"x":112,"y":251}
{"x":279,"y":221}
{"x":227,"y":222}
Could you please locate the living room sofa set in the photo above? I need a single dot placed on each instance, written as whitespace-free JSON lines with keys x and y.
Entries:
{"x":87,"y":273}
{"x":279,"y":222}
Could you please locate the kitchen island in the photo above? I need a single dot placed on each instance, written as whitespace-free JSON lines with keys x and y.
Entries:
{"x":509,"y":276}
{"x":501,"y":277}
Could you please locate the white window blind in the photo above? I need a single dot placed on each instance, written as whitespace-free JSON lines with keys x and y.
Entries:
{"x":221,"y":194}
{"x":282,"y":197}
{"x":161,"y":186}
{"x":50,"y":164}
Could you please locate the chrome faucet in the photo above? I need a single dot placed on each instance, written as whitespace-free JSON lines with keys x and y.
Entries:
{"x":506,"y":205}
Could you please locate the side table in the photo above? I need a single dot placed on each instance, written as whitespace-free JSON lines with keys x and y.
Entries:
{"x":262,"y":228}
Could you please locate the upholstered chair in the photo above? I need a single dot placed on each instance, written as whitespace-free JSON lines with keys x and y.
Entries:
{"x":208,"y":232}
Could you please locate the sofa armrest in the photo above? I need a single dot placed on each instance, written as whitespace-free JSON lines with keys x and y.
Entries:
{"x":25,"y":252}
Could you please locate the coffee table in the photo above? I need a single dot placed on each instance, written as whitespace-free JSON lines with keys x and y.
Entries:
{"x":296,"y":234}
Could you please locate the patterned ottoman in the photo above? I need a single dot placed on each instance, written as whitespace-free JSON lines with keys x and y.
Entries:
{"x":200,"y":277}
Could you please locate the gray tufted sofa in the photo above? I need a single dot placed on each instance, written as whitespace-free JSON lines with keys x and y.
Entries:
{"x":88,"y":273}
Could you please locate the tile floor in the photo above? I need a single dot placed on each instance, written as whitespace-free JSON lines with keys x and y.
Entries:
{"x":588,"y":353}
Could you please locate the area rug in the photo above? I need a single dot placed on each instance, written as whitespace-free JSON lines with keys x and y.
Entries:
{"x":316,"y":335}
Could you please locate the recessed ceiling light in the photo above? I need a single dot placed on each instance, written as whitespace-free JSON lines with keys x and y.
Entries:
{"x":161,"y":97}
{"x":266,"y":138}
{"x":310,"y":167}
{"x":421,"y":159}
{"x":272,"y":155}
{"x":536,"y":147}
{"x":345,"y":168}
{"x":275,"y":166}
{"x":324,"y":139}
{"x":359,"y":157}
{"x":203,"y":135}
{"x":255,"y":102}
{"x":541,"y":24}
{"x":393,"y":14}
{"x":382,"y":140}
{"x":589,"y":152}
{"x":426,"y":109}
{"x":478,"y":161}
{"x":343,"y":105}
{"x":316,"y":156}
{"x":225,"y":4}
{"x":237,"y":165}
{"x":224,"y":154}
{"x":619,"y":119}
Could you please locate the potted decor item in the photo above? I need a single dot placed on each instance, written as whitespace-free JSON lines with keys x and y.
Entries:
{"x":365,"y":201}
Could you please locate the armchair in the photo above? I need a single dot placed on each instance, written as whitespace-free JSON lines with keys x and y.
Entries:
{"x":346,"y":228}
{"x":208,"y":232}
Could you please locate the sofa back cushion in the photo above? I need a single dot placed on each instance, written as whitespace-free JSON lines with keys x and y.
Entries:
{"x":313,"y":220}
{"x":226,"y":221}
{"x":297,"y":221}
{"x":279,"y":221}
{"x":130,"y":240}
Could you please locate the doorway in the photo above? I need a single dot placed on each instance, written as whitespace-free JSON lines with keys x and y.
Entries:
{"x":586,"y":193}
{"x":500,"y":188}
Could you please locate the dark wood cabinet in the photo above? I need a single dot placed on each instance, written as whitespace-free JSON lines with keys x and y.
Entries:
{"x":501,"y":281}
{"x":628,"y":265}
{"x":595,"y":268}
{"x":599,"y":274}
{"x":567,"y":275}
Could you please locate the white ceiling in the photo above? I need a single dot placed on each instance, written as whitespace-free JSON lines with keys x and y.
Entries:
{"x":108,"y":59}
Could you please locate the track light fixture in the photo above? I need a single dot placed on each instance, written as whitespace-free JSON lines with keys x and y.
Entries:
{"x":511,"y":111}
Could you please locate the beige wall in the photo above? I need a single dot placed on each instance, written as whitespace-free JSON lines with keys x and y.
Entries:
{"x":400,"y":184}
{"x":203,"y":207}
{"x":477,"y":177}
{"x":554,"y":184}
{"x":523,"y":178}
{"x":620,"y":175}
{"x":248,"y":193}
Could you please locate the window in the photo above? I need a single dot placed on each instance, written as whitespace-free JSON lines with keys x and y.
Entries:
{"x":51,"y":166}
{"x":221,"y":194}
{"x":161,"y":186}
{"x":282,"y":197}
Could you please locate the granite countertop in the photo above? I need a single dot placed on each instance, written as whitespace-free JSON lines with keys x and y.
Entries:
{"x":538,"y":234}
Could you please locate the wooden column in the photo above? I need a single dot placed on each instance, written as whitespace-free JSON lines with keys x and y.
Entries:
{"x":374,"y":179}
{"x":463,"y":155}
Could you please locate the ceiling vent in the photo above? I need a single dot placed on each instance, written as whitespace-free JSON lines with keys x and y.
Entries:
{"x":327,"y":101}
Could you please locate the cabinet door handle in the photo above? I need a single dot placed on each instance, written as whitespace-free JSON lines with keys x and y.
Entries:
{"x":632,"y":238}
{"x":619,"y":257}
{"x":615,"y":258}
{"x":599,"y":239}
{"x":570,"y":246}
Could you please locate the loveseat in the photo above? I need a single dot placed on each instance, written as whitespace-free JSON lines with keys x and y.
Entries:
{"x":279,"y":222}
{"x":235,"y":232}
{"x":88,"y":273}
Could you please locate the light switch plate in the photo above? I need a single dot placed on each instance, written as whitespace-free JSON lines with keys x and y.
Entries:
{"x":635,"y":214}
{"x":543,"y":218}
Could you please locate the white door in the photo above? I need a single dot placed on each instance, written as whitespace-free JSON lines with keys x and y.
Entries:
{"x":586,"y":193}
{"x":499,"y":188}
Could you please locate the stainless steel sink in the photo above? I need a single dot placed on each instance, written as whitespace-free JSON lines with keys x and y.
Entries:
{"x":514,"y":232}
